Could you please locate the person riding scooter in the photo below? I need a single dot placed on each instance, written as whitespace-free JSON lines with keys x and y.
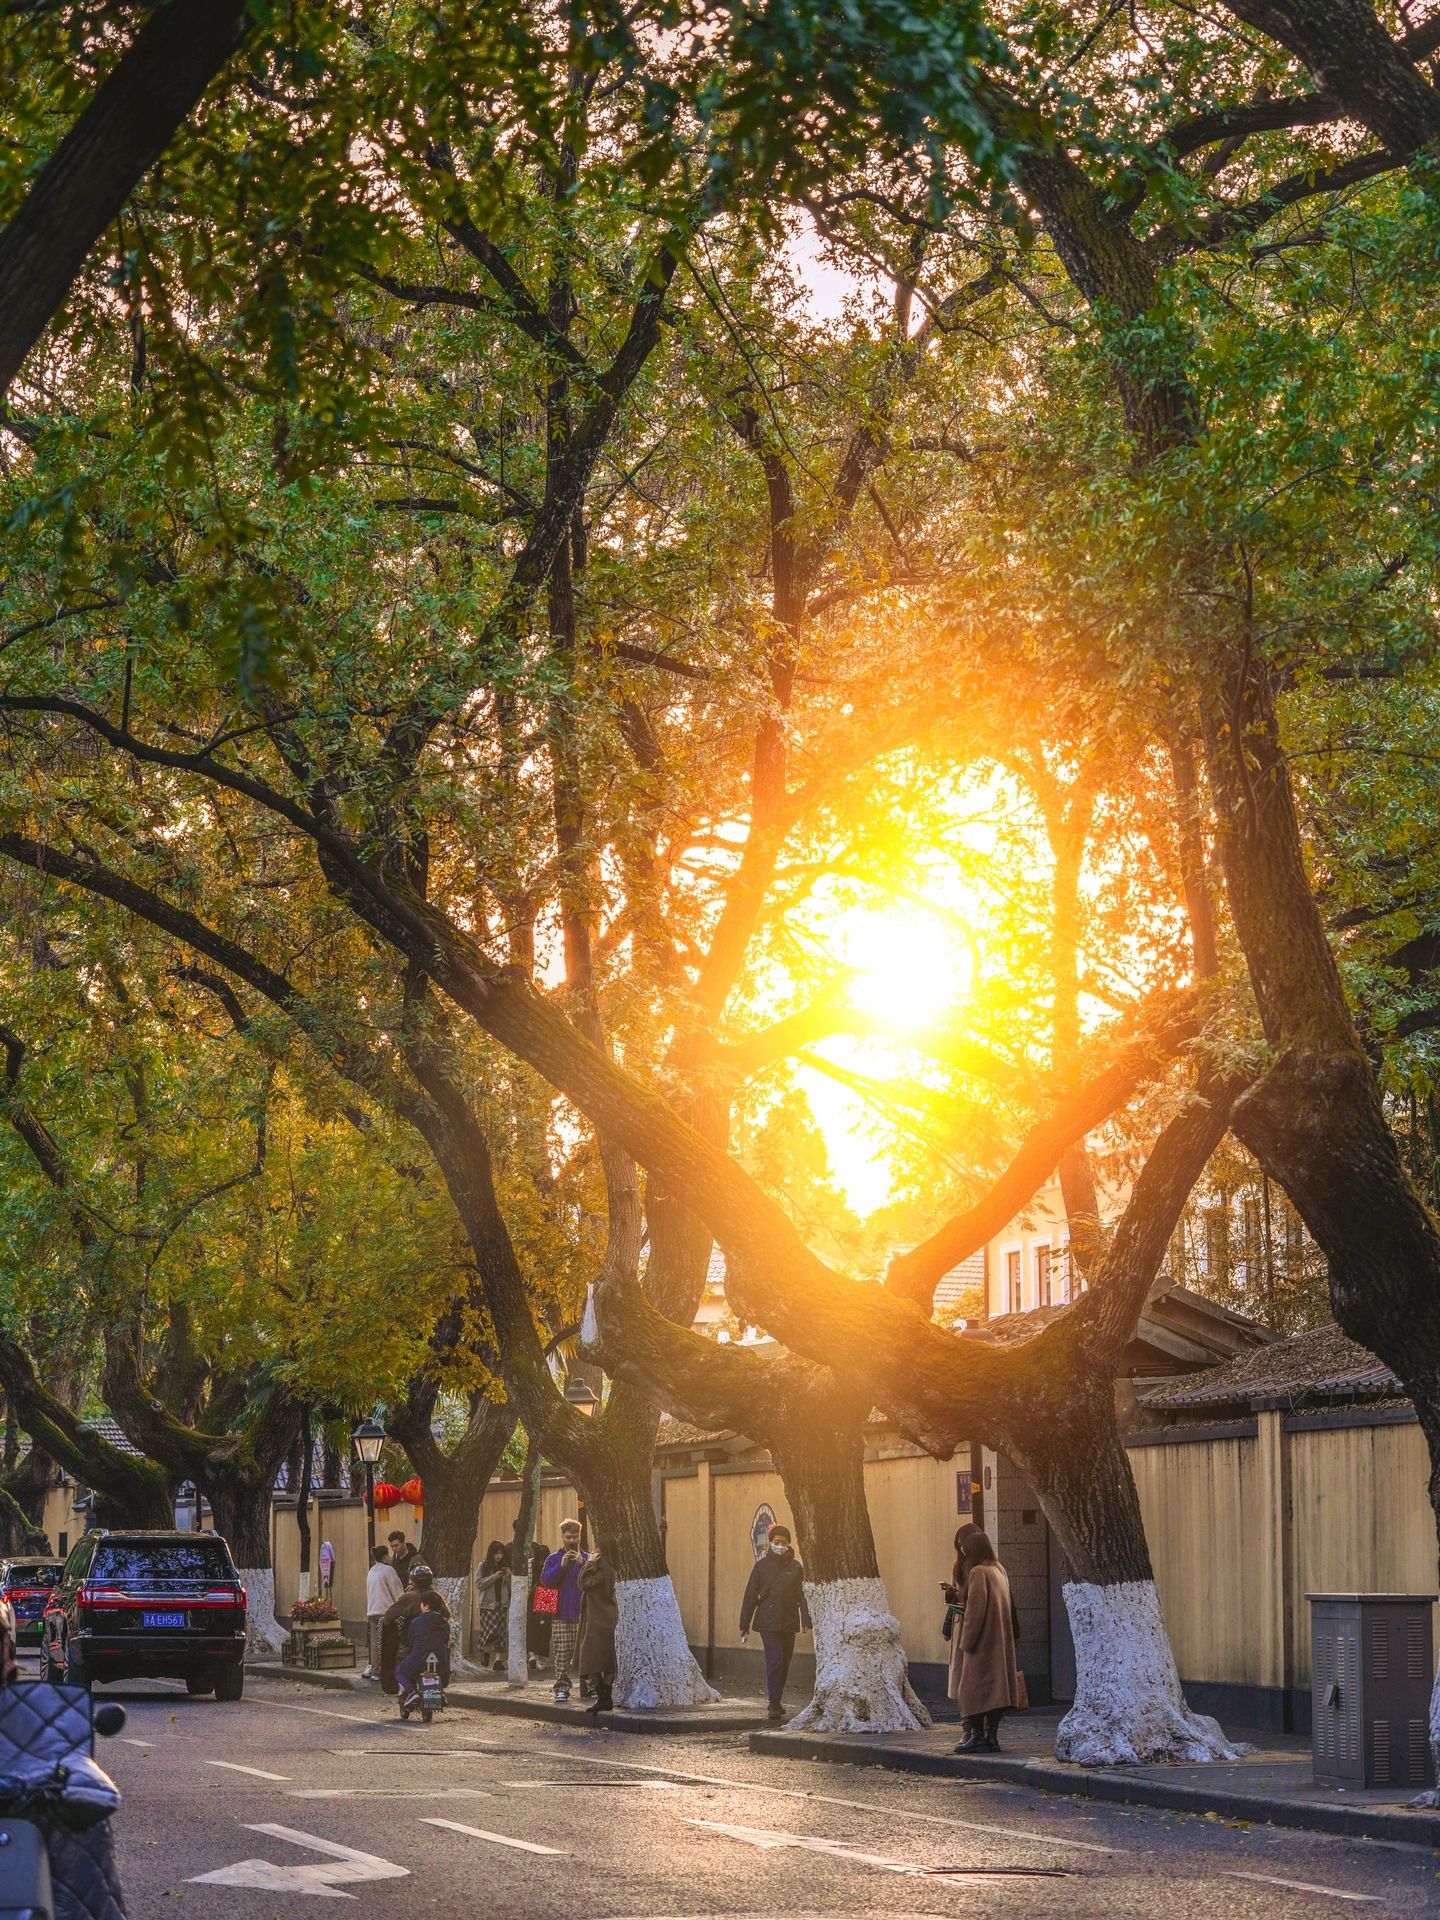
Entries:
{"x":428,"y":1633}
{"x":397,"y":1618}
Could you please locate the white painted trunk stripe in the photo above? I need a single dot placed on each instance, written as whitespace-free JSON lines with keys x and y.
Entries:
{"x":517,"y":1656}
{"x":263,"y":1632}
{"x":1303,"y":1886}
{"x":234,"y":1766}
{"x":654,"y":1665}
{"x":497,"y":1839}
{"x":891,"y":1812}
{"x":862,"y":1679}
{"x":1129,"y":1710}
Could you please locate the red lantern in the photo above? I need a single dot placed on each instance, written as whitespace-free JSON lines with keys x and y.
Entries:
{"x":386,"y":1495}
{"x":414,"y":1491}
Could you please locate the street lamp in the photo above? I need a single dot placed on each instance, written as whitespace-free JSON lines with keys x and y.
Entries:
{"x":583,"y":1398}
{"x":369,"y":1439}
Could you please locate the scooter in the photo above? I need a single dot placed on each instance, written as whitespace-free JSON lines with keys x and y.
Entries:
{"x":57,"y":1860}
{"x":429,"y":1697}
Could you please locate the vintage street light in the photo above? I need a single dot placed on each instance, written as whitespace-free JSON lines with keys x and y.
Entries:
{"x":582,"y":1398}
{"x":369,"y":1439}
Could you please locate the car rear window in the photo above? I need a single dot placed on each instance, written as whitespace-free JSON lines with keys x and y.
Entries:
{"x":133,"y":1562}
{"x":23,"y":1576}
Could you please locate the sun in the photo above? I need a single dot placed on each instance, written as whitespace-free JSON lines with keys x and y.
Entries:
{"x":910,"y":966}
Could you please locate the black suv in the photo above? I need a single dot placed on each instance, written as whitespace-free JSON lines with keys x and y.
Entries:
{"x":26,"y":1584}
{"x":134,"y":1605}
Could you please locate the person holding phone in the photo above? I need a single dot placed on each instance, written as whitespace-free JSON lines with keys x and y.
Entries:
{"x":562,"y":1570}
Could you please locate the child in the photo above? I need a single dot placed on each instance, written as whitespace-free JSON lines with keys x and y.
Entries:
{"x":429,"y":1632}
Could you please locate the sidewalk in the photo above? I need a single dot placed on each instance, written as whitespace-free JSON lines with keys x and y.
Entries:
{"x":1271,"y":1786}
{"x":481,"y":1694}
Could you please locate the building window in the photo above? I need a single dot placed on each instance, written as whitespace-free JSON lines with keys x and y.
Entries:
{"x":1013,"y":1301}
{"x":1067,"y":1273}
{"x":1042,"y":1276}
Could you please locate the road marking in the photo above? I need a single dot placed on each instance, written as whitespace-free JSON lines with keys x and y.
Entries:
{"x":891,"y":1812}
{"x":125,"y":1737}
{"x":635,"y":1786}
{"x":347,"y":1866}
{"x":769,"y":1839}
{"x":388,"y":1793}
{"x":500,"y":1839}
{"x":1304,"y":1886}
{"x":258,"y":1773}
{"x":325,"y":1713}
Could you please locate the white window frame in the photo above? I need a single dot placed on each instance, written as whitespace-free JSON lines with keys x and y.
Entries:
{"x":1037,"y":1248}
{"x":1018,"y":1249}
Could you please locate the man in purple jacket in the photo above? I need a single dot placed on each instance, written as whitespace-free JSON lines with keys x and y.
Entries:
{"x":562,"y":1570}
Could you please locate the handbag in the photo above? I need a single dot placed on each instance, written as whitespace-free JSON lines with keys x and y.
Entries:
{"x":547,"y":1600}
{"x":953,"y":1615}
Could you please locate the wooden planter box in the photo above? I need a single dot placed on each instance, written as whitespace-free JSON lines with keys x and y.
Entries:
{"x":328,"y":1657}
{"x":298,"y":1649}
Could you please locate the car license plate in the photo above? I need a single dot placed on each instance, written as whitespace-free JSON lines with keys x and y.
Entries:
{"x":163,"y":1620}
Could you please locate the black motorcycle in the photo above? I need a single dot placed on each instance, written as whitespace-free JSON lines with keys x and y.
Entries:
{"x":57,"y":1859}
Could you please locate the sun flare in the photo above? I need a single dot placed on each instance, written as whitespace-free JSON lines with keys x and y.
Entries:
{"x":910,"y":966}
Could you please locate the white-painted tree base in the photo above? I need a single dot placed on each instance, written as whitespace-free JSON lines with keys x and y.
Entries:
{"x":454,"y":1590}
{"x":1129,"y":1710}
{"x":1431,"y":1795}
{"x":263,"y":1632}
{"x":517,"y":1657}
{"x":654,"y":1665}
{"x":862,"y":1678}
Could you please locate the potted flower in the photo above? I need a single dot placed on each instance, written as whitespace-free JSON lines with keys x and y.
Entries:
{"x":327,"y":1650}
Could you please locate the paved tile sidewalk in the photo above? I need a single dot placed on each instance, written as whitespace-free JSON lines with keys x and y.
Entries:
{"x":1272,"y":1785}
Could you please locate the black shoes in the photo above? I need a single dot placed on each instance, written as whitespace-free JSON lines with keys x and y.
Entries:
{"x":775,"y":1713}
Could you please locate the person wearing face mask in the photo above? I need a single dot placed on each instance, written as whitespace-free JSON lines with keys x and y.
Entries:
{"x":775,"y":1604}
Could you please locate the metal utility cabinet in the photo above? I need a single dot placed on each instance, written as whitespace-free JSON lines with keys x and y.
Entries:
{"x":1372,"y":1665}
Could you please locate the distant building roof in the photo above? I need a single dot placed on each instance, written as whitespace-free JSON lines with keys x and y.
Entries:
{"x":1321,"y":1364}
{"x":1179,"y":1332}
{"x":107,"y":1429}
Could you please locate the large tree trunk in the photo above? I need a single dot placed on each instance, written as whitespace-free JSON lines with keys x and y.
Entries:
{"x":611,"y":1465}
{"x":1129,"y":1709}
{"x":240,"y":1501}
{"x":862,"y":1680}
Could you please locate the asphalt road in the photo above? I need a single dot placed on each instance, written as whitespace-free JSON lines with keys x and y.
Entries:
{"x":254,"y":1809}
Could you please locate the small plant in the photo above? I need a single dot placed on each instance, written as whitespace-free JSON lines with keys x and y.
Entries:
{"x":333,"y":1640}
{"x":313,"y":1613}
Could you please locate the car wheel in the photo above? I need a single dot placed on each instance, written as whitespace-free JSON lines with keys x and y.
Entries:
{"x":199,"y":1683}
{"x":230,"y":1682}
{"x":76,"y":1673}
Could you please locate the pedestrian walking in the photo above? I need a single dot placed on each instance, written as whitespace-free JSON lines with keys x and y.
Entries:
{"x":404,"y":1554}
{"x":399,"y":1616}
{"x":492,"y":1604}
{"x":562,"y":1570}
{"x":382,"y":1589}
{"x":774,"y":1603}
{"x":599,"y":1619}
{"x":984,"y":1677}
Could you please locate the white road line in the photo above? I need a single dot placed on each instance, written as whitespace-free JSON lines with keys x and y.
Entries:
{"x":348,"y":1865}
{"x":499,"y":1839}
{"x":635,"y":1786}
{"x":1304,"y":1886}
{"x":325,"y":1713}
{"x":769,"y":1839}
{"x":388,"y":1793}
{"x":891,"y":1812}
{"x":127,"y":1741}
{"x":234,"y":1766}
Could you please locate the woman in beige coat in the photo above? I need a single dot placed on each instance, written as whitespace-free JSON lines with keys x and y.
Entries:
{"x":984,"y":1676}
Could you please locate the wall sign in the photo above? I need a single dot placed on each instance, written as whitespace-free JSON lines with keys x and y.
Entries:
{"x":760,"y":1527}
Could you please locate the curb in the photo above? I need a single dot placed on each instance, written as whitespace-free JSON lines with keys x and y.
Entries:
{"x":517,"y":1707}
{"x":1117,"y":1786}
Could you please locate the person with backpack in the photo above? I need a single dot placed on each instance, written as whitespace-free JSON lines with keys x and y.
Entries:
{"x":774,"y":1603}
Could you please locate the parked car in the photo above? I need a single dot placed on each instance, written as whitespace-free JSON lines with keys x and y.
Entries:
{"x":27,"y":1585}
{"x":134,"y":1605}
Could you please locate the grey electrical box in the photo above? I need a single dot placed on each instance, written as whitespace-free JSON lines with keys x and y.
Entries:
{"x":1372,"y":1666}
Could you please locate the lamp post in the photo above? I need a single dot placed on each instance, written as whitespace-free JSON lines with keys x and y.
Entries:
{"x":369,"y":1439}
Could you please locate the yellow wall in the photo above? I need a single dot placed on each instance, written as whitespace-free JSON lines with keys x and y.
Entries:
{"x":60,"y":1517}
{"x":1240,"y":1530}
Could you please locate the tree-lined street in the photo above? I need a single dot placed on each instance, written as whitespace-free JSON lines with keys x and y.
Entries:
{"x":624,"y":1825}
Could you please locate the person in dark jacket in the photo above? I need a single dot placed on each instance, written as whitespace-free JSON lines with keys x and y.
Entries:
{"x":599,"y":1619}
{"x":537,"y":1625}
{"x":396,"y":1619}
{"x":775,"y":1603}
{"x":428,"y":1632}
